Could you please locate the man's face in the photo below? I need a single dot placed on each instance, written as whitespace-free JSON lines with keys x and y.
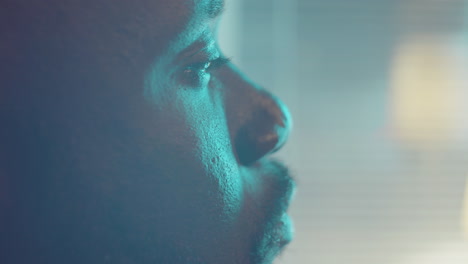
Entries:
{"x":153,"y":147}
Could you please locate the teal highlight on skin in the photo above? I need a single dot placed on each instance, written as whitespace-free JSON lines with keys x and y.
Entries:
{"x":203,"y":110}
{"x":162,"y":74}
{"x":165,"y":73}
{"x":216,"y":150}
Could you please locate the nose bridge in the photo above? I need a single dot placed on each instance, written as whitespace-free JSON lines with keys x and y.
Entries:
{"x":259,"y":122}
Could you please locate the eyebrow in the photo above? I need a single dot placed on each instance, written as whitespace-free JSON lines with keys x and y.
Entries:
{"x":215,"y":8}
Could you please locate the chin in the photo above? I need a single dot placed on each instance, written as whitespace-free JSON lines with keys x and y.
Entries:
{"x":276,"y":237}
{"x":270,"y":227}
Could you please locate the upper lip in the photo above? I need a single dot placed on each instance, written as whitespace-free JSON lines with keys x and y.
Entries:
{"x":286,"y":184}
{"x":279,"y":190}
{"x":283,"y":185}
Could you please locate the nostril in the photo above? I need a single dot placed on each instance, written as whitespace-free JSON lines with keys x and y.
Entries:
{"x":282,"y":134}
{"x":264,"y":134}
{"x":260,"y":126}
{"x":251,"y":147}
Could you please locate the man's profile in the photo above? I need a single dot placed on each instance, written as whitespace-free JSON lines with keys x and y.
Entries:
{"x":127,"y":137}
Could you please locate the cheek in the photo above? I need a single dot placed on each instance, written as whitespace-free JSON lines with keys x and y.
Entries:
{"x":214,"y":153}
{"x":208,"y":151}
{"x":187,"y":146}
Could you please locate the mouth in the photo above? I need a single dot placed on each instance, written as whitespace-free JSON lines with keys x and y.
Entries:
{"x":282,"y":235}
{"x":277,"y":239}
{"x":278,"y":229}
{"x":285,"y":231}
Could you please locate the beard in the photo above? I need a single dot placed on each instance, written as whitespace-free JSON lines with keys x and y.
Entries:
{"x":272,"y":229}
{"x":66,"y":235}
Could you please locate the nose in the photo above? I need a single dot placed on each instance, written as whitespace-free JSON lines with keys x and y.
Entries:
{"x":258,"y":121}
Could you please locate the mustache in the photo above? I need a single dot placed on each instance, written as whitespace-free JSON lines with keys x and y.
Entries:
{"x":279,"y":190}
{"x":282,"y":185}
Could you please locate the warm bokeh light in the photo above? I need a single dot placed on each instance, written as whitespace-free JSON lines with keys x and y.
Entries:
{"x":428,"y":82}
{"x":353,"y":72}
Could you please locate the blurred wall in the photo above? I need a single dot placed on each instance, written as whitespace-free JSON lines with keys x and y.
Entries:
{"x":379,"y":95}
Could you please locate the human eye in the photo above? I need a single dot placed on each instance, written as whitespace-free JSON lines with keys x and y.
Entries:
{"x":198,"y":74}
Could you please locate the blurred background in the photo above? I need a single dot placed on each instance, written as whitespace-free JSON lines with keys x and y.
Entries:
{"x":379,"y":94}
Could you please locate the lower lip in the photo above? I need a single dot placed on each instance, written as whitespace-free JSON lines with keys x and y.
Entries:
{"x":285,"y":230}
{"x":281,"y":236}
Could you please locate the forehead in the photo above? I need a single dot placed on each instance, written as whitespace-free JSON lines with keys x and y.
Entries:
{"x":165,"y":19}
{"x":143,"y":27}
{"x":201,"y":22}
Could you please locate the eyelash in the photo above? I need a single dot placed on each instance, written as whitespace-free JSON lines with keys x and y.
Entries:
{"x":198,"y":70}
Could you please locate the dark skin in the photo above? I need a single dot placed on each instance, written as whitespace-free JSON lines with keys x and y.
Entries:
{"x":128,"y":138}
